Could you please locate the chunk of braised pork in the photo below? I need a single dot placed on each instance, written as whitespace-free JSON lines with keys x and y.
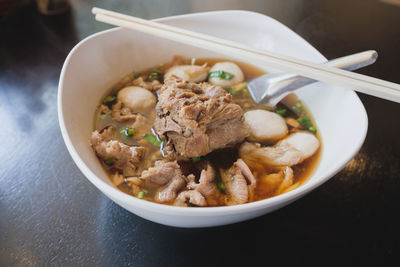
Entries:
{"x":198,"y":118}
{"x":122,"y":157}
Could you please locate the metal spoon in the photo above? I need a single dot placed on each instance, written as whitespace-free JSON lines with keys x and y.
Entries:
{"x":269,"y":89}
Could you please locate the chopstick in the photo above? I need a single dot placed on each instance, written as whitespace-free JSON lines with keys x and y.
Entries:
{"x":358,"y":82}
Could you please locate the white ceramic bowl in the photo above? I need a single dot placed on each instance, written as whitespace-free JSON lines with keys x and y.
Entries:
{"x":102,"y":59}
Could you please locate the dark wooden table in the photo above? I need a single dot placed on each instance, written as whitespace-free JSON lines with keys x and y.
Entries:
{"x":51,"y":215}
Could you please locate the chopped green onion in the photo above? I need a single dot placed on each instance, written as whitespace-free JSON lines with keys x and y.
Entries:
{"x":233,"y":91}
{"x":108,"y":99}
{"x":137,"y":75}
{"x":152,"y":78}
{"x":152,"y":140}
{"x":131,"y":131}
{"x":298,"y":106}
{"x":142,"y":193}
{"x":125,"y":132}
{"x":220,"y":74}
{"x":245,"y":91}
{"x":109,"y":161}
{"x":103,"y":116}
{"x":301,"y":119}
{"x":312,"y":129}
{"x":306,"y":123}
{"x":155,"y":74}
{"x":281,"y":111}
{"x":196,"y":159}
{"x":220,"y":184}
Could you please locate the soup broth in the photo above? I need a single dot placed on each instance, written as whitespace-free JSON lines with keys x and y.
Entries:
{"x":268,"y":178}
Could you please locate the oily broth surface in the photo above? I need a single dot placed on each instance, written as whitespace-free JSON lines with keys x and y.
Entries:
{"x":219,"y":159}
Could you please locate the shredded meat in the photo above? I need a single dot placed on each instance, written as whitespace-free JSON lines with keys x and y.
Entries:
{"x":239,"y":183}
{"x":169,"y":193}
{"x":251,"y":180}
{"x":122,"y":157}
{"x":168,"y":174}
{"x":162,"y":172}
{"x":151,"y":85}
{"x":192,"y":197}
{"x":236,"y":187}
{"x":207,"y":185}
{"x":103,"y":109}
{"x":142,"y":124}
{"x":121,"y":113}
{"x":197,"y":118}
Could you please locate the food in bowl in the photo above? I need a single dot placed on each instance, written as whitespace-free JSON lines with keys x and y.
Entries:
{"x":187,"y":133}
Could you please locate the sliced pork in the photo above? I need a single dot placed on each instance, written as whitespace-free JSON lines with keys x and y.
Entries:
{"x":190,"y":197}
{"x":207,"y":185}
{"x":162,"y":172}
{"x":239,"y":183}
{"x":251,"y":180}
{"x":116,"y":154}
{"x":169,"y":193}
{"x":168,"y":174}
{"x":153,"y":85}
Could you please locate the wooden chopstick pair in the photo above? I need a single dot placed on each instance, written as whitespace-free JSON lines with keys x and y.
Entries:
{"x":358,"y":82}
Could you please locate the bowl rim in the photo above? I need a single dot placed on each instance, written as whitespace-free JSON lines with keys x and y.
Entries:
{"x":110,"y":190}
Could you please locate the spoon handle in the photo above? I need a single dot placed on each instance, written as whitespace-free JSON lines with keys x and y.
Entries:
{"x":287,"y":83}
